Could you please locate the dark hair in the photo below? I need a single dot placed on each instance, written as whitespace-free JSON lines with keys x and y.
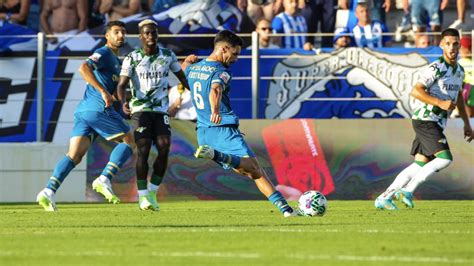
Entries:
{"x":450,"y":32}
{"x":112,"y":23}
{"x":229,"y":37}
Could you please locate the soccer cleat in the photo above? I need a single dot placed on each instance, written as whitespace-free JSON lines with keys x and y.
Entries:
{"x":144,"y":203}
{"x":46,"y":201}
{"x":291,"y":213}
{"x":205,"y":152}
{"x":385,"y":204}
{"x":153,"y":201}
{"x":406,"y":197}
{"x":105,"y":188}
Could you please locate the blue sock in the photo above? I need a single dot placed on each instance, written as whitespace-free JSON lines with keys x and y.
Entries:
{"x":118,"y":157}
{"x":62,"y":169}
{"x":278,"y":200}
{"x":229,"y":159}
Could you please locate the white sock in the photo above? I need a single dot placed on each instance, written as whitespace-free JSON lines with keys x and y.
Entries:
{"x":104,"y":179}
{"x":49,"y":192}
{"x":143,"y":193}
{"x":153,"y":187}
{"x":401,"y":180}
{"x":426,"y":172}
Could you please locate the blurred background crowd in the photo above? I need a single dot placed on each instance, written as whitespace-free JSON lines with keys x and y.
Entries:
{"x":361,"y":23}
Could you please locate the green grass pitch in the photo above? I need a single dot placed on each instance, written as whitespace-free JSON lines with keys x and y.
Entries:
{"x":237,"y":233}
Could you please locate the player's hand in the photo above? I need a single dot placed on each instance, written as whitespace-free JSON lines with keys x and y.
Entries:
{"x":447,"y":105}
{"x":468,"y":133}
{"x":126,"y":108}
{"x":107,"y":99}
{"x":191,"y":59}
{"x":216,"y":118}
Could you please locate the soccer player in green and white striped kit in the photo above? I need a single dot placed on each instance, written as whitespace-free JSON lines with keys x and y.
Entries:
{"x":437,"y":92}
{"x":146,"y":69}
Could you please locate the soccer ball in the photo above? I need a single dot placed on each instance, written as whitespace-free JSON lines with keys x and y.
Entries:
{"x":312,"y":203}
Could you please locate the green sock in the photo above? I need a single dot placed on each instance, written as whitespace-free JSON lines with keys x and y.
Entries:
{"x":156,"y":179}
{"x":141,"y":184}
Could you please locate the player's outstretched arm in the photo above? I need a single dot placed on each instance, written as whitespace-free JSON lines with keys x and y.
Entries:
{"x":215,"y":96}
{"x":189,"y":60}
{"x":122,"y":84}
{"x":86,"y":72}
{"x":419,"y":92}
{"x":468,"y":134}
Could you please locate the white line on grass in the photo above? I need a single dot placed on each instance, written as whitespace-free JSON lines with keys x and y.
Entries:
{"x":380,"y":258}
{"x":246,"y":255}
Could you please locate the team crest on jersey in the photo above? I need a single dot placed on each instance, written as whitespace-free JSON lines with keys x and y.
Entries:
{"x":95,"y":57}
{"x":140,"y":129}
{"x":225,"y":77}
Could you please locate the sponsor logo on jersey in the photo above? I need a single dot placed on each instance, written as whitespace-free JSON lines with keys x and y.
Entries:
{"x":225,"y":77}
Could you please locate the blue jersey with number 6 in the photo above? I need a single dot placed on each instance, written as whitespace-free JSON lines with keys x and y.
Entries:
{"x":200,"y":77}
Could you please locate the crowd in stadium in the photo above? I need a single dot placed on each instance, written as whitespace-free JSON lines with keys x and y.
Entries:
{"x":359,"y":23}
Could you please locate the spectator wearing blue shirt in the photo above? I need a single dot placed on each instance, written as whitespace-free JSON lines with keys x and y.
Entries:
{"x":289,"y":22}
{"x":368,"y":33}
{"x":342,"y":38}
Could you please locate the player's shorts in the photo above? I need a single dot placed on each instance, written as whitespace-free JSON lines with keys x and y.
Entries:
{"x":226,"y":139}
{"x":109,"y":124}
{"x":429,"y":138}
{"x":149,"y":125}
{"x":421,"y":7}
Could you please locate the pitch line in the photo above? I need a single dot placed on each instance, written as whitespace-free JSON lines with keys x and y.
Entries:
{"x":254,"y":255}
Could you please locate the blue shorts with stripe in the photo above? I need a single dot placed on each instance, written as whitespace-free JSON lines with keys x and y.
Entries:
{"x":226,"y":139}
{"x":109,"y":124}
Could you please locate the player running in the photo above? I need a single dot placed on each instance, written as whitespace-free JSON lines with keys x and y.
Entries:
{"x":146,"y":70}
{"x":438,"y":92}
{"x":218,"y":134}
{"x":95,"y":115}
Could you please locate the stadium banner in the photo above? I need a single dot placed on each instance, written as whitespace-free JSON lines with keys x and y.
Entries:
{"x":346,"y":83}
{"x":345,"y":159}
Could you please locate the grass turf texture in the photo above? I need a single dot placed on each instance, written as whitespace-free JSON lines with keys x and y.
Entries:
{"x":237,"y":232}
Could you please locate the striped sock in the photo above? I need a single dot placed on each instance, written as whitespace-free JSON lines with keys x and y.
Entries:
{"x":118,"y":157}
{"x":229,"y":159}
{"x":62,"y":169}
{"x":278,"y":200}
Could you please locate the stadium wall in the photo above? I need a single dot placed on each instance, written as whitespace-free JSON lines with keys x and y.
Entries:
{"x":26,"y":167}
{"x":343,"y":158}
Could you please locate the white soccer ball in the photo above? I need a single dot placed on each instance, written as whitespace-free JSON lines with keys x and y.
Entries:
{"x":312,"y":203}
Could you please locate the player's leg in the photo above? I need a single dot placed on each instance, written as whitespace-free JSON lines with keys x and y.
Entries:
{"x":162,"y":140}
{"x":249,"y":166}
{"x":143,"y":134}
{"x":112,"y":127}
{"x":78,"y":146}
{"x":160,"y":165}
{"x":232,"y":151}
{"x":433,"y":143}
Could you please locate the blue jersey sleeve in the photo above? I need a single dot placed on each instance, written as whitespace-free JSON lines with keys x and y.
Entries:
{"x":97,"y":59}
{"x":222,"y":77}
{"x":277,"y":25}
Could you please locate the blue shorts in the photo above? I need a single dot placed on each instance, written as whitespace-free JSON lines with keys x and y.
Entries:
{"x":421,"y":7}
{"x":226,"y":139}
{"x":109,"y":124}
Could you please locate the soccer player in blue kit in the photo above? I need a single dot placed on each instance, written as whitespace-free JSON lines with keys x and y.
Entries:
{"x":95,"y":115}
{"x":218,"y":134}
